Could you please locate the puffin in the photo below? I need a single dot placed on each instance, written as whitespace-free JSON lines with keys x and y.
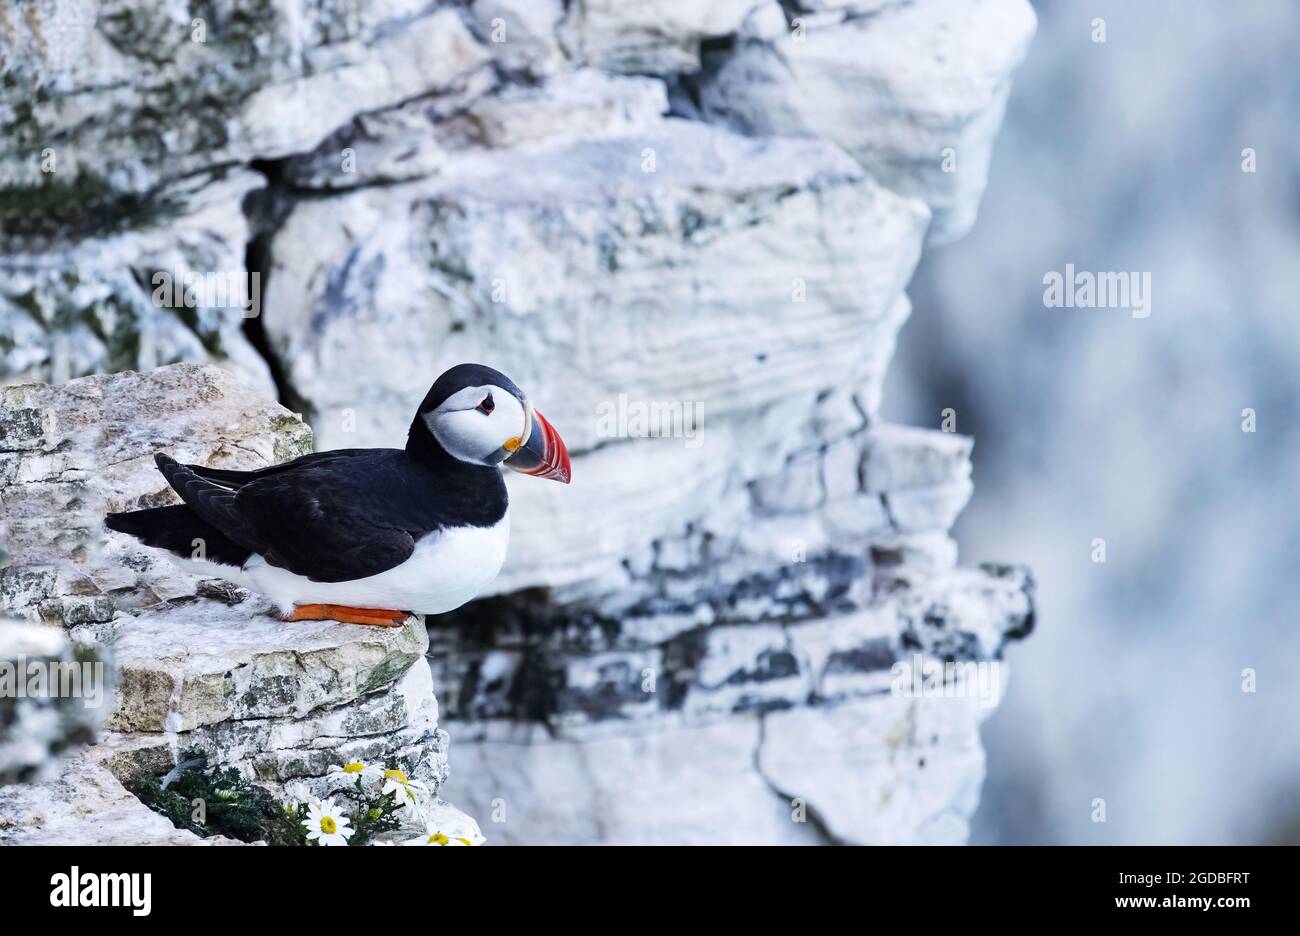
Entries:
{"x":366,"y":536}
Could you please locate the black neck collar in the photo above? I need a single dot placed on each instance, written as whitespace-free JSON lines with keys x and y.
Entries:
{"x":422,"y":446}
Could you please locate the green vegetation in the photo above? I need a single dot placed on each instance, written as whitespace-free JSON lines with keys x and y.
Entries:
{"x":218,"y":801}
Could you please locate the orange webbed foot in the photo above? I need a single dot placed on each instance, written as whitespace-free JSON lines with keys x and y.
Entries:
{"x":375,"y":617}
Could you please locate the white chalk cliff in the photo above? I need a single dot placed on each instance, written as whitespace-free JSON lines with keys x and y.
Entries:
{"x":713,"y":206}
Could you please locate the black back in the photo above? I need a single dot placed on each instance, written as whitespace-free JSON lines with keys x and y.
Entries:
{"x":343,"y":515}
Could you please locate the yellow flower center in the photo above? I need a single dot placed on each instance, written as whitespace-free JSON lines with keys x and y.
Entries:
{"x":396,"y":775}
{"x":465,"y":840}
{"x":328,"y":825}
{"x":438,"y":839}
{"x":354,"y":767}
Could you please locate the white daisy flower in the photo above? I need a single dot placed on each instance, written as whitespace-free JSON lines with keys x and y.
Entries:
{"x":403,"y":788}
{"x":354,"y":769}
{"x":326,"y":824}
{"x":435,"y":836}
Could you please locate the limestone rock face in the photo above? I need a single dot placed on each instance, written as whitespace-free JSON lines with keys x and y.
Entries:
{"x":557,"y":253}
{"x":877,"y":771}
{"x":430,"y":135}
{"x":915,"y":91}
{"x":241,"y":662}
{"x":283,"y":703}
{"x":131,"y":93}
{"x":233,"y":683}
{"x":228,"y":683}
{"x":79,"y":305}
{"x":770,"y":659}
{"x":73,"y":452}
{"x":121,"y":124}
{"x":657,"y":36}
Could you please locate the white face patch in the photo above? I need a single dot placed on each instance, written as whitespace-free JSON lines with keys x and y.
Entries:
{"x":475,"y":424}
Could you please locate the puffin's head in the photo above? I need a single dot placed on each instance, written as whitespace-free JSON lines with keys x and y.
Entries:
{"x":479,"y":416}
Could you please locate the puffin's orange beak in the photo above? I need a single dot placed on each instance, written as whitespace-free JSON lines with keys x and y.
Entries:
{"x":543,"y":455}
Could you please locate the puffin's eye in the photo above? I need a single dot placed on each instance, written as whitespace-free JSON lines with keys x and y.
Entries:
{"x":487,"y":406}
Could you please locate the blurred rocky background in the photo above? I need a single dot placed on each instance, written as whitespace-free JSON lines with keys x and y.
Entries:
{"x":686,"y":228}
{"x":1128,"y":155}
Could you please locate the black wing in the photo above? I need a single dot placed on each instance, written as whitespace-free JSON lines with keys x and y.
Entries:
{"x":232,"y":478}
{"x":312,"y":516}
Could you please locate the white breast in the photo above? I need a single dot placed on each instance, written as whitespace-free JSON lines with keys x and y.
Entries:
{"x":446,"y":570}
